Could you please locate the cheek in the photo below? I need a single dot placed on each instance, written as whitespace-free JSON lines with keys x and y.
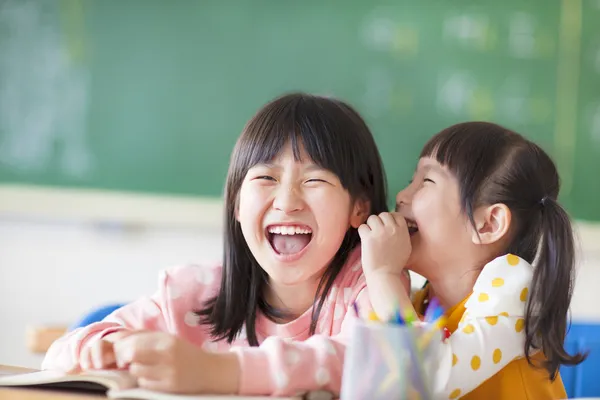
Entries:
{"x":433,"y":215}
{"x":427,"y":208}
{"x":250,"y":206}
{"x":440,"y":220}
{"x":332,"y":213}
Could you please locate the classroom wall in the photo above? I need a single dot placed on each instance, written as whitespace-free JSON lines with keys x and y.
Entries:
{"x":51,"y":272}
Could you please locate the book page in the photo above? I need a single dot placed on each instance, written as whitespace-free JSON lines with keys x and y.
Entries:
{"x":112,"y":379}
{"x":143,"y":394}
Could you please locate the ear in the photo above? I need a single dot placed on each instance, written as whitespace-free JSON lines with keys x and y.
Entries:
{"x":360,"y":212}
{"x":491,"y":223}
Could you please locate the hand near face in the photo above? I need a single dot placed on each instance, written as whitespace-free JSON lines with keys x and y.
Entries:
{"x":386,"y":243}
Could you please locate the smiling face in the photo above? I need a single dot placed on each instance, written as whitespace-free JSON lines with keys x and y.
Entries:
{"x":440,"y":232}
{"x":294,"y":216}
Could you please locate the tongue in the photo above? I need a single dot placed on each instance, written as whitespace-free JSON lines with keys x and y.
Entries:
{"x":289,"y":244}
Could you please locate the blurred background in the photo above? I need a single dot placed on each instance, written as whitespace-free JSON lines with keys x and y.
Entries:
{"x":117,"y":119}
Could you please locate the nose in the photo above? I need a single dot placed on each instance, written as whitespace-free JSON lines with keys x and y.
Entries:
{"x":404,"y":197}
{"x":288,"y":199}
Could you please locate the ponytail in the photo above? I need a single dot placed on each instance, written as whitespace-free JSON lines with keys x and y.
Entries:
{"x":551,"y":290}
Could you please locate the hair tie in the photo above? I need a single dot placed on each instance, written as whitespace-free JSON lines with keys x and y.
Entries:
{"x":543,"y":201}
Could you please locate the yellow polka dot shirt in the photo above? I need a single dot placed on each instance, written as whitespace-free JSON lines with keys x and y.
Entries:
{"x":484,"y":357}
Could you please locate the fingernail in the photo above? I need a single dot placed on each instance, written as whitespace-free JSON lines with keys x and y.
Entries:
{"x":74,"y":370}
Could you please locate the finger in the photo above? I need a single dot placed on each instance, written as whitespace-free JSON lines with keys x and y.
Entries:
{"x":85,"y":359}
{"x":388,"y":219}
{"x":136,"y":348}
{"x":74,"y":369}
{"x":374,"y":222}
{"x":145,"y":371}
{"x":154,"y":385}
{"x":103,"y":355}
{"x":363,"y":231}
{"x":400,"y":220}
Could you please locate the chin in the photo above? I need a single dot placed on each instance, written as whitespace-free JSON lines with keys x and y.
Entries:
{"x":413,"y":263}
{"x":286,"y":280}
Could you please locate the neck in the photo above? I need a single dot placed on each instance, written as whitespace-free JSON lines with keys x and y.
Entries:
{"x":295,"y":299}
{"x":451,"y":289}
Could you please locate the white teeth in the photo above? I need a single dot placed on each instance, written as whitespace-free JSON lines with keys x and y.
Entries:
{"x":411,"y":224}
{"x":289,"y":230}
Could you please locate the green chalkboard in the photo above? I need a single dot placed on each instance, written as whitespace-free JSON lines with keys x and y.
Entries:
{"x":150,"y":95}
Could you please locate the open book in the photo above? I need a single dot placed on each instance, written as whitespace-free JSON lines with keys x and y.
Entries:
{"x":119,"y":385}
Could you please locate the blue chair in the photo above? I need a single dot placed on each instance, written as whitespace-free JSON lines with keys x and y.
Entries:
{"x":96,"y":315}
{"x":582,"y":380}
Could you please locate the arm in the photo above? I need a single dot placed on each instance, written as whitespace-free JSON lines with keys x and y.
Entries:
{"x":283,"y":368}
{"x":491,"y":334}
{"x":385,"y":250}
{"x":149,"y":313}
{"x":388,"y":291}
{"x":476,"y":352}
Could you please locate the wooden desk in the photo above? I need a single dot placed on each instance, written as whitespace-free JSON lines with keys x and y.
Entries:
{"x":39,"y":394}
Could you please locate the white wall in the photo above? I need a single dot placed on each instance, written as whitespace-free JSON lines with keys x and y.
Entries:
{"x":51,"y":273}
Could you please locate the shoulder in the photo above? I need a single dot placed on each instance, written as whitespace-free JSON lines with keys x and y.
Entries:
{"x":352,"y":271}
{"x":192,"y":282}
{"x":350,"y":281}
{"x":501,"y":288}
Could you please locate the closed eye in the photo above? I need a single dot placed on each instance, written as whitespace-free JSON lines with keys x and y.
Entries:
{"x":428,"y":180}
{"x":316,"y":180}
{"x":265,"y":177}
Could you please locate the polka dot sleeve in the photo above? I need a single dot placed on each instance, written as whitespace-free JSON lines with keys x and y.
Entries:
{"x":491,"y":333}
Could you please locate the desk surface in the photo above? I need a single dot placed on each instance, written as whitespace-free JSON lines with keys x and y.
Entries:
{"x":33,"y":394}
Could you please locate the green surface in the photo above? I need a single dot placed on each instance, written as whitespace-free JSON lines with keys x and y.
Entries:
{"x":150,"y":96}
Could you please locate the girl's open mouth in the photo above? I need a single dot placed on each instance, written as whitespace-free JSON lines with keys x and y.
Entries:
{"x":412,"y":227}
{"x":288,"y":240}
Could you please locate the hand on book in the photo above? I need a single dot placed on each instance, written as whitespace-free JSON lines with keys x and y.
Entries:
{"x":163,"y":362}
{"x":100,"y":354}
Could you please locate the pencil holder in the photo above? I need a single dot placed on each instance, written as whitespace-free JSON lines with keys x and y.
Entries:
{"x":388,"y":361}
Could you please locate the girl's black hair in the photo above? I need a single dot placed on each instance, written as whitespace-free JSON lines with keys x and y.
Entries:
{"x":495,"y":165}
{"x":336,"y":138}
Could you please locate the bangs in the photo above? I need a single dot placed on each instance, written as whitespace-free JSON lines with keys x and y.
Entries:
{"x":321,"y":127}
{"x":467,"y":148}
{"x":473,"y":152}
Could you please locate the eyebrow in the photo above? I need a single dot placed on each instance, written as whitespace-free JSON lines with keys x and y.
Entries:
{"x":310,"y":168}
{"x":315,"y":167}
{"x":434,"y":167}
{"x":437,"y":168}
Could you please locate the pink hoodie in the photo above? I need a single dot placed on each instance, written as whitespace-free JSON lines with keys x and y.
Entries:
{"x":288,"y":361}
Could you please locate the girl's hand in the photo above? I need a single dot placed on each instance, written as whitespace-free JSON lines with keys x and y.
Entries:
{"x":100,"y":354}
{"x":385,"y":251}
{"x":163,"y":362}
{"x":385,"y":244}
